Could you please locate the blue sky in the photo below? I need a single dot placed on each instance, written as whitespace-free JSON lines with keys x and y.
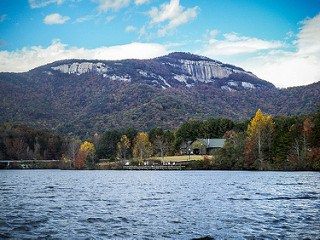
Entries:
{"x":278,"y":40}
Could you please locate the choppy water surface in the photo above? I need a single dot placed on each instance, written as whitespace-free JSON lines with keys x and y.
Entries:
{"x":54,"y":204}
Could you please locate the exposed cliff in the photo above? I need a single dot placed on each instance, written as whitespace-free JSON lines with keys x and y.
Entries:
{"x":173,"y":70}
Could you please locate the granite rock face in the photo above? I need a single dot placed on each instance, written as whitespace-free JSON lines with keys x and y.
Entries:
{"x":174,"y":70}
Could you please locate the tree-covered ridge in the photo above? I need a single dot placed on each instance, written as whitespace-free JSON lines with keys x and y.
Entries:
{"x":80,"y":105}
{"x":263,"y":143}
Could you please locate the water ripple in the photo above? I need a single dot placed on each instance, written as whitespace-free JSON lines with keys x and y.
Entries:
{"x":55,"y":204}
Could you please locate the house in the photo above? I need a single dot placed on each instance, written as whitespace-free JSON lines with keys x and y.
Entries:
{"x":202,"y":146}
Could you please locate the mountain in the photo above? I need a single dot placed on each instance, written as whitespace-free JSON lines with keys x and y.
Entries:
{"x":86,"y":96}
{"x":171,"y":71}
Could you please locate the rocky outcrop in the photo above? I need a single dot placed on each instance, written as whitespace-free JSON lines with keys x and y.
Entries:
{"x":173,"y":70}
{"x":80,"y":68}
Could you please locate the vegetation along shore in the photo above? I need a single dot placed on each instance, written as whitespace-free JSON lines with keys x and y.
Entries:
{"x":262,"y":143}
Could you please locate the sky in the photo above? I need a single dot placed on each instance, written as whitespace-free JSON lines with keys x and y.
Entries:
{"x":277,"y":40}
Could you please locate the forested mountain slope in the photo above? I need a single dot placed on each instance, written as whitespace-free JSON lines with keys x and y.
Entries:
{"x":85,"y":96}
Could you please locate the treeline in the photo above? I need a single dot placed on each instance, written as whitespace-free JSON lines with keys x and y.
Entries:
{"x":280,"y":143}
{"x":262,"y":143}
{"x":118,"y":145}
{"x":22,"y":142}
{"x":166,"y":141}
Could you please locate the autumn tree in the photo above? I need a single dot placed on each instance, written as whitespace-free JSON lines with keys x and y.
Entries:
{"x":301,"y":136}
{"x":315,"y":135}
{"x":307,"y":129}
{"x":80,"y":161}
{"x":259,"y":139}
{"x":72,"y":148}
{"x":16,"y":148}
{"x":123,"y":145}
{"x":159,"y":141}
{"x":85,"y":154}
{"x":314,"y":153}
{"x":142,"y":146}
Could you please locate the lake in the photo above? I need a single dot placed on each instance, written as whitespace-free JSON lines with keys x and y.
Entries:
{"x":56,"y":204}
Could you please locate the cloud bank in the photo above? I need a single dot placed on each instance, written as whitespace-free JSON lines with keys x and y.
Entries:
{"x":234,"y":44}
{"x":29,"y":58}
{"x":292,"y":68}
{"x":272,"y":60}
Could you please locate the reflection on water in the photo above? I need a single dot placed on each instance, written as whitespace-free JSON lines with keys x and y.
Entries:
{"x":54,"y":204}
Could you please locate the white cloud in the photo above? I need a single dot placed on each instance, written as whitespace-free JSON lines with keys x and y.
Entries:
{"x":274,"y":61}
{"x":3,"y":17}
{"x":85,"y":18}
{"x":308,"y":41}
{"x":172,"y":14}
{"x":142,"y":32}
{"x":292,"y":68}
{"x":28,"y":58}
{"x":140,"y":2}
{"x":55,"y":18}
{"x":285,"y":69}
{"x":130,"y":28}
{"x":234,"y":44}
{"x":96,"y":17}
{"x":43,"y":3}
{"x":115,"y":5}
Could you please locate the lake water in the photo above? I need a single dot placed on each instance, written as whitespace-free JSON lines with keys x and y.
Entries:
{"x":55,"y":204}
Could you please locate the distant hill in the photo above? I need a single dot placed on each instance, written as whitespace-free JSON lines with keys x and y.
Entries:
{"x":87,"y":96}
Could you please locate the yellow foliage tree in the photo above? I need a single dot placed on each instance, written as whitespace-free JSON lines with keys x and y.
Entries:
{"x":259,"y":136}
{"x":86,"y":151}
{"x":123,"y":146}
{"x":87,"y":147}
{"x":142,"y":146}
